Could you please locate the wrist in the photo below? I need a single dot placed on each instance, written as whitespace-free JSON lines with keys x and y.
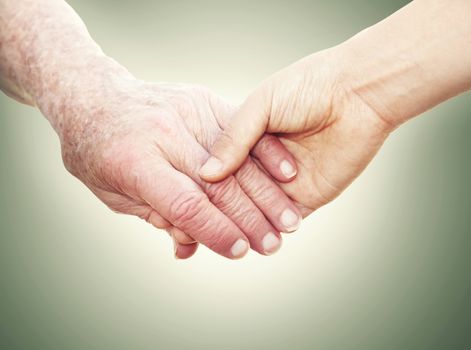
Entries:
{"x":75,"y":94}
{"x":411,"y":61}
{"x":87,"y":110}
{"x":49,"y":59}
{"x":386,"y":82}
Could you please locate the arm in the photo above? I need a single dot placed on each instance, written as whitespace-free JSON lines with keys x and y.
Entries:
{"x":49,"y":60}
{"x":334,"y":109}
{"x":413,"y":60}
{"x":118,"y":135}
{"x":46,"y":49}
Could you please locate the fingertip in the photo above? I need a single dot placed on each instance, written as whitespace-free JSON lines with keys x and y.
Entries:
{"x":215,"y":170}
{"x":275,"y":158}
{"x":213,"y":167}
{"x":239,"y":249}
{"x":290,"y":220}
{"x":185,"y":251}
{"x":288,"y":170}
{"x":271,"y":243}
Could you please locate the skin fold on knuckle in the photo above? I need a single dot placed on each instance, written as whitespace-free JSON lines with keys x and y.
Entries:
{"x":230,"y":199}
{"x":216,"y":240}
{"x":245,"y":216}
{"x":187,"y":211}
{"x":247,"y":177}
{"x":225,"y":195}
{"x":247,"y":172}
{"x":189,"y":215}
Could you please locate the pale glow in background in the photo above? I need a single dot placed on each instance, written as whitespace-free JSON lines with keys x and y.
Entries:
{"x":384,"y":266}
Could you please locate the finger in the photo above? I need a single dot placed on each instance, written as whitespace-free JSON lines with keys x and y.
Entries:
{"x":156,"y":220}
{"x":181,"y":250}
{"x":181,"y":202}
{"x":268,"y":197}
{"x":185,"y":251}
{"x":237,"y":206}
{"x":257,"y":182}
{"x":181,"y":237}
{"x":228,"y":196}
{"x":275,"y":158}
{"x":185,"y":246}
{"x":233,"y":145}
{"x":124,"y":204}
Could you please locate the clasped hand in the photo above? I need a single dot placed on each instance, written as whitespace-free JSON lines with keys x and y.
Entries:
{"x":141,"y":151}
{"x":231,"y":178}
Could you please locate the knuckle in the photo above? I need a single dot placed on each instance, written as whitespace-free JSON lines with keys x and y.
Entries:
{"x":265,"y":146}
{"x":230,"y":199}
{"x":186,"y":208}
{"x":250,"y":220}
{"x":215,"y":240}
{"x":224,"y":194}
{"x":247,"y":173}
{"x":250,"y":177}
{"x":269,"y":199}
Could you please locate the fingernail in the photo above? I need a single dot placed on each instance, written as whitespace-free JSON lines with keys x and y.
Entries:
{"x":212,"y":167}
{"x":290,"y":220}
{"x":239,"y":248}
{"x":271,"y":243}
{"x":287,"y":169}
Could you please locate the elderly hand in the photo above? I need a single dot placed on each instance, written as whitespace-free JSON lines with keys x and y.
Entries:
{"x":140,"y":150}
{"x":139,"y":146}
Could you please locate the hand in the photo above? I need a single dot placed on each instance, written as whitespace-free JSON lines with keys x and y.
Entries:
{"x":334,"y":109}
{"x":139,"y":149}
{"x":331,"y":132}
{"x":139,"y":146}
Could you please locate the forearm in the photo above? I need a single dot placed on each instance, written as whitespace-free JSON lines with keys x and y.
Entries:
{"x":413,"y":60}
{"x":48,"y":59}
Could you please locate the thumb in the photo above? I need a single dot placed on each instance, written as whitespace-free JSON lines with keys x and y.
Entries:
{"x":234,"y":144}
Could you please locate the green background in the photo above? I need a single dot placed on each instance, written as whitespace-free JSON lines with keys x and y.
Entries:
{"x":385,"y":266}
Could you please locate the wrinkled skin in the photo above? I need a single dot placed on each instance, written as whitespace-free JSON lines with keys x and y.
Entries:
{"x":334,"y":109}
{"x":140,"y":153}
{"x":328,"y":127}
{"x":138,"y":146}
